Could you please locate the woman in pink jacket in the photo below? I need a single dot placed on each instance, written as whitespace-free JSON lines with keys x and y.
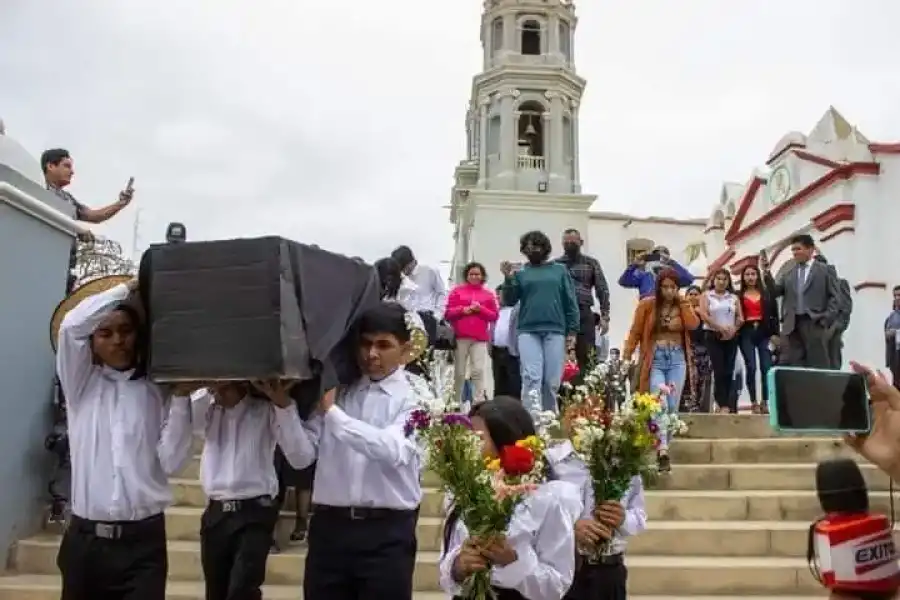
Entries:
{"x":471,"y":310}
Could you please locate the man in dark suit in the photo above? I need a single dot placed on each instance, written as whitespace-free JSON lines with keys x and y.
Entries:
{"x":836,"y":343}
{"x":810,"y":305}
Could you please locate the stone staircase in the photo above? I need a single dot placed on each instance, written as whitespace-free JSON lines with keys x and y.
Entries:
{"x":730,"y":521}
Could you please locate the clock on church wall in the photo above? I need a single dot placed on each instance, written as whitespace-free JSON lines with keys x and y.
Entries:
{"x":779,"y":185}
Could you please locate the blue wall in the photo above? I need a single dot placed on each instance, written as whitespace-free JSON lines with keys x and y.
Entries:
{"x":33,"y":262}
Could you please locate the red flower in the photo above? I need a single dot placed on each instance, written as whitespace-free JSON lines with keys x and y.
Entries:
{"x":570,"y":370}
{"x":516,"y":460}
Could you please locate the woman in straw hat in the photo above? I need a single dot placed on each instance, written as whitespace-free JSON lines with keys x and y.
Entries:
{"x":125,"y":439}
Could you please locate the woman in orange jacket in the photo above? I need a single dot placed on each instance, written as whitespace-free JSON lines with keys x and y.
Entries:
{"x":661,"y":332}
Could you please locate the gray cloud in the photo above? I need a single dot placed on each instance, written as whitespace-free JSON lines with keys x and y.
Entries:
{"x":340,"y":123}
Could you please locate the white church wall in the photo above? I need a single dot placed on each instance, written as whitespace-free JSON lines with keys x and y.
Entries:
{"x":608,"y":241}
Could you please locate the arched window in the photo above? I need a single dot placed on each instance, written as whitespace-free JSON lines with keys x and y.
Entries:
{"x":635,"y":247}
{"x":497,"y":35}
{"x":531,"y":38}
{"x":565,"y":40}
{"x":531,"y":136}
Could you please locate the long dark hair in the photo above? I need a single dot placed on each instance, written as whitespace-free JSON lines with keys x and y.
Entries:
{"x":663,"y":275}
{"x":390,"y":276}
{"x":507,"y":422}
{"x":712,"y":280}
{"x":760,"y":284}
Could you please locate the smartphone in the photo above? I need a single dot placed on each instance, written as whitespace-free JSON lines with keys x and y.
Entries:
{"x":130,"y":185}
{"x":818,"y":401}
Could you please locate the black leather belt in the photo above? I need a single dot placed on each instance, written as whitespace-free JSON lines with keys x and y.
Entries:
{"x":359,"y":513}
{"x":116,"y":530}
{"x":605,"y":560}
{"x":230,"y":506}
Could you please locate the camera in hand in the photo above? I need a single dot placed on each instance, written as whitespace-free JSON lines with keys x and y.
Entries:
{"x":851,"y":550}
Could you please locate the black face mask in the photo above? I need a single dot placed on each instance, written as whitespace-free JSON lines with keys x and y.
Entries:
{"x":571,"y":248}
{"x":535,"y":257}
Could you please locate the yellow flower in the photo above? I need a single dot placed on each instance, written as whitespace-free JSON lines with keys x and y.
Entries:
{"x":492,"y":465}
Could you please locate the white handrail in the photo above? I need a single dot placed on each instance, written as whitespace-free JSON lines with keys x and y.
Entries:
{"x":39,"y":210}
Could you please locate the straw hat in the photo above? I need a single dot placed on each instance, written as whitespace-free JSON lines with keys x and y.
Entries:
{"x":87,"y":290}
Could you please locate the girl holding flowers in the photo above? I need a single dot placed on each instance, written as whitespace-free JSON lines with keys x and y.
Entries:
{"x":661,"y":331}
{"x":602,"y":529}
{"x":530,"y":551}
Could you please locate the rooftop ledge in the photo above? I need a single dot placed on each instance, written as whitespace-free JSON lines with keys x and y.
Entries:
{"x":28,"y":204}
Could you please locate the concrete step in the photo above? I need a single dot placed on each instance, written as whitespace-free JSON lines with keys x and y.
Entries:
{"x":746,"y":426}
{"x":734,"y":505}
{"x":47,"y":587}
{"x":666,"y":538}
{"x":720,"y":451}
{"x":688,"y":575}
{"x":762,"y":476}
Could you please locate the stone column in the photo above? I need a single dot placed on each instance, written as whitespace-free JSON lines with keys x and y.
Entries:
{"x":483,"y":105}
{"x":510,"y":34}
{"x":576,"y":151}
{"x":553,"y":148}
{"x":552,"y":36}
{"x":508,"y":131}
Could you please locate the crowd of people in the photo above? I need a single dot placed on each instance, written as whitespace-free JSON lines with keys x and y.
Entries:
{"x":355,"y":468}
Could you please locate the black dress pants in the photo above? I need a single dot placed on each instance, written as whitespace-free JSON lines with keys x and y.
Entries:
{"x":507,"y":373}
{"x":605,"y":581}
{"x":235,"y":539}
{"x":722,"y":355}
{"x":360,"y":554}
{"x":585,"y":342}
{"x":121,"y":560}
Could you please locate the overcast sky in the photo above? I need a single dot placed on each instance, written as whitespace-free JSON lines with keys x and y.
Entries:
{"x":340,"y":122}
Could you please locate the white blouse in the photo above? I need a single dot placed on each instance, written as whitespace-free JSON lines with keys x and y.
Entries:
{"x":542,"y":531}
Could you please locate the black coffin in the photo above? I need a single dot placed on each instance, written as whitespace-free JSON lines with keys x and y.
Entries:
{"x":224,"y":310}
{"x":255,"y":309}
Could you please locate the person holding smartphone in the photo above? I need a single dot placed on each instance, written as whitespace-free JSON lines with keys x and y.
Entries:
{"x":720,"y":311}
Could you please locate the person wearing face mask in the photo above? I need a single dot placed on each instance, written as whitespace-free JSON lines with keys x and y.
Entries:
{"x":589,"y":279}
{"x":548,"y":319}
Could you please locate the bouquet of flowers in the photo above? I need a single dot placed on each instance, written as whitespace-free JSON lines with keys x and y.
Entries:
{"x":616,"y":443}
{"x":484,"y":492}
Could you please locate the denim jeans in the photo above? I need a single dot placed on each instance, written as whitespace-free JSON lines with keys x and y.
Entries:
{"x":753,"y":342}
{"x":669,"y":367}
{"x":542,"y":356}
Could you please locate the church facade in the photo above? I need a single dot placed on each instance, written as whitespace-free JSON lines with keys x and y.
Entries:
{"x":522,"y":169}
{"x":840,"y":188}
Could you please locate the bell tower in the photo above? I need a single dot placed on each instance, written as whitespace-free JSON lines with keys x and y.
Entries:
{"x":522,"y":129}
{"x":524,"y":108}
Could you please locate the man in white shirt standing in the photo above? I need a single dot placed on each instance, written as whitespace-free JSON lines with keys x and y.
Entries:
{"x":430,"y":295}
{"x":237,"y":470}
{"x":126,"y":439}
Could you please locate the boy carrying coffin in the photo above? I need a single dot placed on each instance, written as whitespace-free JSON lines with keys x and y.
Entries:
{"x":125,"y":438}
{"x":366,"y":494}
{"x":237,"y":471}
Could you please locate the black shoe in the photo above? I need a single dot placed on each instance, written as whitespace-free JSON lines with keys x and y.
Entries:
{"x":299,"y":534}
{"x":665,"y":463}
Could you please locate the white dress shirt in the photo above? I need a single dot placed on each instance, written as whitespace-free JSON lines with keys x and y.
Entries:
{"x":567,"y":466}
{"x":406,"y":294}
{"x":238,"y":460}
{"x":430,"y":294}
{"x":125,"y":438}
{"x":365,"y":458}
{"x":542,"y":532}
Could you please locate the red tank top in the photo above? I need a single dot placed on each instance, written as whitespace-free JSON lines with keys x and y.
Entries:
{"x":752,"y":308}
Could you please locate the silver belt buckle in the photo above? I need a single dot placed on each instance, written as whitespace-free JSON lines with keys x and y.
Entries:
{"x":231,"y":506}
{"x":108,"y":531}
{"x":356,"y":516}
